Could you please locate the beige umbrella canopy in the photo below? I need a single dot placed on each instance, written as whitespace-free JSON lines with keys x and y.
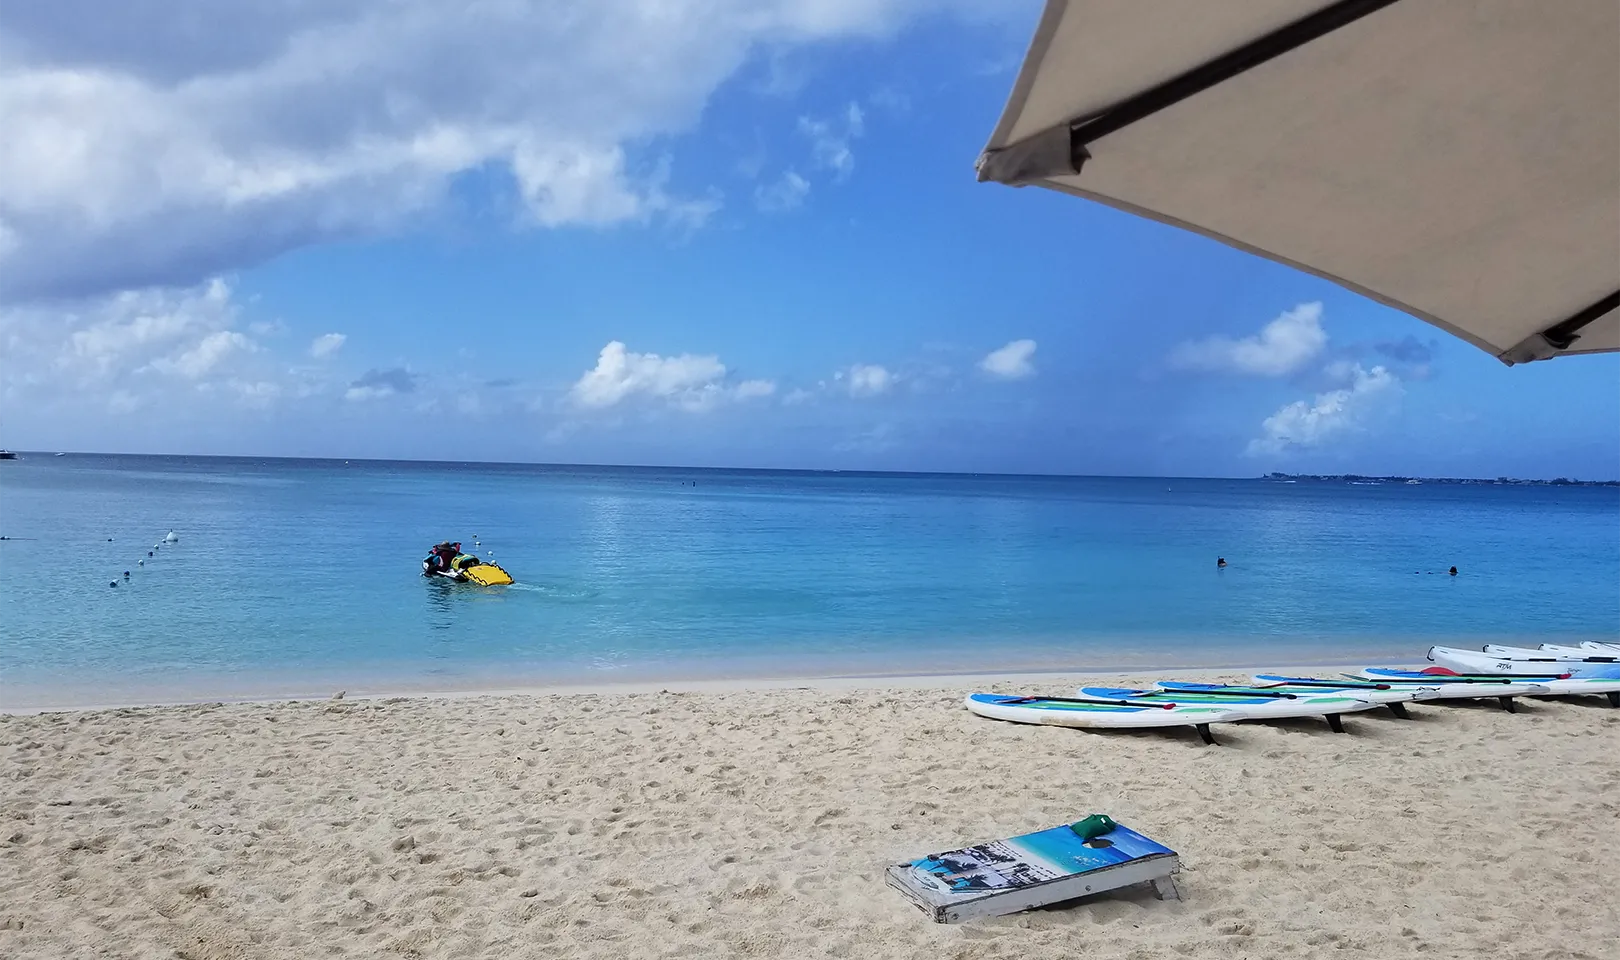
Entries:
{"x":1455,"y":159}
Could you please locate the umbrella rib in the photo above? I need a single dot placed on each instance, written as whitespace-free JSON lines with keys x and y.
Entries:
{"x":1222,"y":68}
{"x":1565,"y":333}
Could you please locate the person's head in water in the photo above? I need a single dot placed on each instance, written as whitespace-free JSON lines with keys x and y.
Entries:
{"x":1453,"y":571}
{"x":1220,"y":561}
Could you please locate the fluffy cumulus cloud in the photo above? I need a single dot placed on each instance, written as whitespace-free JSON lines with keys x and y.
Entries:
{"x":231,"y":132}
{"x":198,"y":360}
{"x":1332,"y":415}
{"x":1015,"y":361}
{"x":865,"y":379}
{"x":1283,"y":346}
{"x":153,"y":349}
{"x":326,"y":345}
{"x":688,"y":381}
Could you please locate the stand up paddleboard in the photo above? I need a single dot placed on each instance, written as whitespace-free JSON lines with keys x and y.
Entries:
{"x":1255,"y":705}
{"x":1480,"y":662}
{"x":1095,"y":715}
{"x":1381,"y":694}
{"x":1454,"y":686}
{"x":1592,"y":680}
{"x":1589,"y":648}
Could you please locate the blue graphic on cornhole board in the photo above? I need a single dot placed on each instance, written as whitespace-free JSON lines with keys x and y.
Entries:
{"x":1048,"y":866}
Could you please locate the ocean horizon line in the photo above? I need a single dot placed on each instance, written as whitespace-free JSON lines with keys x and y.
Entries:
{"x":1269,"y":476}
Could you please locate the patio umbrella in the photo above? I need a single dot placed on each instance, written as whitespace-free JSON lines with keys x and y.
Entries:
{"x":1455,"y":159}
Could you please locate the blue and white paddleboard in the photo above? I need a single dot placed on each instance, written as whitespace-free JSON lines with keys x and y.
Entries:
{"x":1256,"y":705}
{"x":1455,"y":686}
{"x":1066,"y":712}
{"x":1384,"y":693}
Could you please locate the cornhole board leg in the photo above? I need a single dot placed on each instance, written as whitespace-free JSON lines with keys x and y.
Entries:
{"x":943,"y":907}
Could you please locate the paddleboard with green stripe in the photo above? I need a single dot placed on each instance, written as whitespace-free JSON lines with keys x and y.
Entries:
{"x":1067,"y":712}
{"x":1255,"y":704}
{"x":1367,"y":690}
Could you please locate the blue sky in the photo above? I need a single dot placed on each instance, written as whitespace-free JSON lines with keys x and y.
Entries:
{"x":713,"y":234}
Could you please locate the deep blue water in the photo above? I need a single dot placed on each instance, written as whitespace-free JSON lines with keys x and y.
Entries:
{"x":301,"y":574}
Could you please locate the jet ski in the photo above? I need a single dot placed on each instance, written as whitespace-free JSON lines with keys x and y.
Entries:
{"x":446,"y":560}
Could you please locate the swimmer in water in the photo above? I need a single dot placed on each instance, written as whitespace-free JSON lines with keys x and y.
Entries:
{"x":1220,"y":562}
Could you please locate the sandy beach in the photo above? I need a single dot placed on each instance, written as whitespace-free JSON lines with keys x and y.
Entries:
{"x":758,"y":823}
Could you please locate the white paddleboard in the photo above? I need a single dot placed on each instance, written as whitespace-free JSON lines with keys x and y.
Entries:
{"x":1064,"y":712}
{"x":1481,"y":662}
{"x":1455,"y":687}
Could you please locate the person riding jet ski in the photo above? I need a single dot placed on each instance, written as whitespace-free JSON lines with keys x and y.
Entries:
{"x":442,"y":558}
{"x":447,"y":560}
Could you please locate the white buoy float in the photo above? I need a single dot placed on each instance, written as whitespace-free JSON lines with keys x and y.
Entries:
{"x":171,"y":537}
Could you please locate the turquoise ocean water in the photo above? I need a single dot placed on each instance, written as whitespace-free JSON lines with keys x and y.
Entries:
{"x":296,"y":576}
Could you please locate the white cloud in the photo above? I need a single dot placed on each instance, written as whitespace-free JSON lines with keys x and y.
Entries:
{"x":866,"y":379}
{"x":1333,"y":414}
{"x":750,"y":389}
{"x":224,"y":134}
{"x":1283,"y":346}
{"x":785,"y":194}
{"x":258,"y":394}
{"x":201,"y":359}
{"x":326,"y":345}
{"x":140,"y":349}
{"x":688,"y":381}
{"x":830,"y":139}
{"x":1012,"y":362}
{"x":797,"y":396}
{"x":110,"y":339}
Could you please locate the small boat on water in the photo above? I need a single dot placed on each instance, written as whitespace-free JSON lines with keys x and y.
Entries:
{"x":7,"y":455}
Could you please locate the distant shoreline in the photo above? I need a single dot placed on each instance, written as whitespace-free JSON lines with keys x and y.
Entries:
{"x":1463,"y":481}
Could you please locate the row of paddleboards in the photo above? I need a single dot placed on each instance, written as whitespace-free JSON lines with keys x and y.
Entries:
{"x":1591,"y":659}
{"x":1276,"y":696}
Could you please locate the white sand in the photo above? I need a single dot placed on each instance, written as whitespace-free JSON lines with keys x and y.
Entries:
{"x":758,"y":824}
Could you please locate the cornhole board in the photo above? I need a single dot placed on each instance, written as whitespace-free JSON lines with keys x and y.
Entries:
{"x":1049,"y":866}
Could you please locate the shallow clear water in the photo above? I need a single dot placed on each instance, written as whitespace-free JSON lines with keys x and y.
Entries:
{"x":298,"y":574}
